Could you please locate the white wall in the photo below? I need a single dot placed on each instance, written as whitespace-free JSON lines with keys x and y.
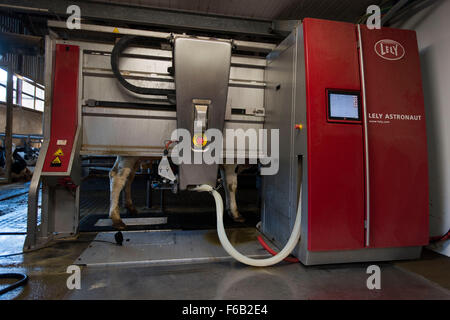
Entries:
{"x":433,"y":34}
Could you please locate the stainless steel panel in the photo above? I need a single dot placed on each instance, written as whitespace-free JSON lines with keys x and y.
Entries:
{"x":114,"y":131}
{"x":142,"y":135}
{"x":202,"y":69}
{"x":65,"y":211}
{"x":362,"y":255}
{"x":148,"y":63}
{"x":133,"y":221}
{"x":103,"y":87}
{"x":285,"y":104}
{"x":247,"y":91}
{"x":141,"y":132}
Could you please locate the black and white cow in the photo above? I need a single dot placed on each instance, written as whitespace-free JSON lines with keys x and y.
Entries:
{"x":122,"y":175}
{"x":19,"y":169}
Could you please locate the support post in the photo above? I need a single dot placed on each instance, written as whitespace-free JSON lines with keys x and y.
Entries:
{"x":9,"y":122}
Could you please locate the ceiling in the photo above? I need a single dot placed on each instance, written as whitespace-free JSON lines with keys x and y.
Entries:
{"x":342,"y":10}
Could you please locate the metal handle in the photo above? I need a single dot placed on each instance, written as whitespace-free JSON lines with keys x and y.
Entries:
{"x":366,"y":140}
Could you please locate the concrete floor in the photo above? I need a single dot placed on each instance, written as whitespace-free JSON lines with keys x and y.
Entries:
{"x":427,"y":278}
{"x":422,"y":279}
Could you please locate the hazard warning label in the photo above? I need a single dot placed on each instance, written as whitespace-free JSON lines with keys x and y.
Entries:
{"x":56,"y":162}
{"x":58,"y":153}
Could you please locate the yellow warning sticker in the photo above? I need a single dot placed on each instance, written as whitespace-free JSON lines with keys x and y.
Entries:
{"x":58,"y":153}
{"x":116,"y":30}
{"x":56,"y":162}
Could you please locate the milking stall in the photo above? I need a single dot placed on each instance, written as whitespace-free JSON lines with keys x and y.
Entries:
{"x":226,"y":153}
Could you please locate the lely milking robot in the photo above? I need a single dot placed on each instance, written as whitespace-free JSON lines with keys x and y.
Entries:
{"x":352,"y":181}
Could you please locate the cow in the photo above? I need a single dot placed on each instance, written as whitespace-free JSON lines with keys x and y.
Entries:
{"x":122,"y":175}
{"x":19,"y":169}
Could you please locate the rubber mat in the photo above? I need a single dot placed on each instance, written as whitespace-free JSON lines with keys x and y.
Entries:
{"x":176,"y":219}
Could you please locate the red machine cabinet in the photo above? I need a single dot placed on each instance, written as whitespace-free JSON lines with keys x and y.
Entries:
{"x":64,"y":110}
{"x":397,"y":152}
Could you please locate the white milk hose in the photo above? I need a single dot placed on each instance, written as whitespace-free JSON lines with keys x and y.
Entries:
{"x":290,"y":245}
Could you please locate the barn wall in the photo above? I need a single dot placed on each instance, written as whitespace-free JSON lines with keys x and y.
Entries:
{"x":25,"y":121}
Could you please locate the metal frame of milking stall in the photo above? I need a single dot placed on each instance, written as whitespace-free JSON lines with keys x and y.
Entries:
{"x":105,"y":110}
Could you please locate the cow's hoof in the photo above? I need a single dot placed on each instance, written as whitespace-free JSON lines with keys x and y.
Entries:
{"x":239,"y":219}
{"x":119,"y":225}
{"x":132,"y":211}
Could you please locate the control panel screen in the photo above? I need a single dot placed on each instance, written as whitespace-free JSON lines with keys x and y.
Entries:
{"x":343,"y":106}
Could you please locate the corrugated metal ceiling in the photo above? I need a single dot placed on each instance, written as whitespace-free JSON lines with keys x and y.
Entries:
{"x":343,"y":10}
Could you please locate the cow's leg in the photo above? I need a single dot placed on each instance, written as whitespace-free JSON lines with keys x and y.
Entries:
{"x":131,"y":209}
{"x":225,"y":188}
{"x":118,"y":177}
{"x":230,"y":185}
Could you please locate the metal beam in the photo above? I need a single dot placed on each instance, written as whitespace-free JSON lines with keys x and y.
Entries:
{"x":411,"y":9}
{"x":285,"y":26}
{"x":393,"y":11}
{"x":21,"y":44}
{"x":9,"y":121}
{"x":146,"y":16}
{"x":239,"y":44}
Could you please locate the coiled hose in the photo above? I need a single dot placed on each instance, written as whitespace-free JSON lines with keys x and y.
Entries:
{"x":290,"y":245}
{"x":22,"y":280}
{"x":121,"y":45}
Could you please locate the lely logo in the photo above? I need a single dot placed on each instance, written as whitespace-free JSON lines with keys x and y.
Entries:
{"x":389,"y":49}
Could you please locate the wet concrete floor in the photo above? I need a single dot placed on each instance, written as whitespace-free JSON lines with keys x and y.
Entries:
{"x":427,"y":278}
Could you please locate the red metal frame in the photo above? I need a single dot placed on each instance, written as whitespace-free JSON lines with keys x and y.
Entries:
{"x":64,"y":114}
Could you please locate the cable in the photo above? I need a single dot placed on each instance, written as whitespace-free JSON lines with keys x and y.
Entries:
{"x":22,"y":280}
{"x":120,"y":46}
{"x":23,"y":252}
{"x":169,"y":142}
{"x":290,"y":245}
{"x":14,"y":196}
{"x":12,"y":233}
{"x":440,"y":238}
{"x":272,"y":252}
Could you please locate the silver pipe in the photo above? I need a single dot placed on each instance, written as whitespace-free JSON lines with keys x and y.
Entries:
{"x":9,"y":6}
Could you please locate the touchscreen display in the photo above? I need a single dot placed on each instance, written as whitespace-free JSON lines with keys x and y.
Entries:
{"x":343,"y":106}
